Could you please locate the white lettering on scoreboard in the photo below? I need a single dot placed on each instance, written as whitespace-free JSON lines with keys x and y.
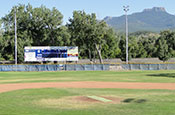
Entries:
{"x":50,"y":53}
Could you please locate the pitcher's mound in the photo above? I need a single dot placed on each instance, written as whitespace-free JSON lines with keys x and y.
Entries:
{"x":76,"y":102}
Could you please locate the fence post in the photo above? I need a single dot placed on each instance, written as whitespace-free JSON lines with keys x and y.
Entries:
{"x":84,"y":67}
{"x":74,"y":67}
{"x":148,"y":66}
{"x":65,"y":67}
{"x":130,"y":67}
{"x":140,"y":66}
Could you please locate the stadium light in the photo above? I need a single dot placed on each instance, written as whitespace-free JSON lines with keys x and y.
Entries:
{"x":15,"y":40}
{"x":126,"y":9}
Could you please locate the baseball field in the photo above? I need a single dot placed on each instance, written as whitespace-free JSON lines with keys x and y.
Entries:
{"x":87,"y":93}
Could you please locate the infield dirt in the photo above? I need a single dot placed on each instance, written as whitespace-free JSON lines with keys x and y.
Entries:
{"x":88,"y":84}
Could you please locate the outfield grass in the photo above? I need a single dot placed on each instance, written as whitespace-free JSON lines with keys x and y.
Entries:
{"x":48,"y":102}
{"x":125,"y":76}
{"x":56,"y":101}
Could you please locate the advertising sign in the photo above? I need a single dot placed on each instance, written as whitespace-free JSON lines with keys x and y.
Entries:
{"x":50,"y":53}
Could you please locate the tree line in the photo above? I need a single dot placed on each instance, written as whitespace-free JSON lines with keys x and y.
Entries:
{"x":43,"y":27}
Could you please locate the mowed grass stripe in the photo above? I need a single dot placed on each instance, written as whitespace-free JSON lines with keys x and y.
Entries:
{"x":162,"y":76}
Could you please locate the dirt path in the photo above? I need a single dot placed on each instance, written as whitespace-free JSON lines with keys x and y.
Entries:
{"x":88,"y":84}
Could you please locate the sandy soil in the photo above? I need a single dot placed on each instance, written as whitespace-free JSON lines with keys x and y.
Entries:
{"x":87,"y":84}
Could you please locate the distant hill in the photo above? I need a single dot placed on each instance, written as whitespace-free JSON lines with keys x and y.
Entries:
{"x":155,"y":19}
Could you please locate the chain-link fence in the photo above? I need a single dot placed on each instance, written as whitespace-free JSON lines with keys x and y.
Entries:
{"x":148,"y":66}
{"x":87,"y":67}
{"x":29,"y":67}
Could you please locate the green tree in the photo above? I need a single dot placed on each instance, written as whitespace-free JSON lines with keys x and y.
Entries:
{"x":89,"y":34}
{"x":163,"y":51}
{"x":132,"y":48}
{"x":141,"y":52}
{"x":35,"y":27}
{"x":147,"y":47}
{"x":8,"y":35}
{"x":122,"y":46}
{"x":46,"y":27}
{"x":76,"y":27}
{"x":110,"y":49}
{"x":169,"y":36}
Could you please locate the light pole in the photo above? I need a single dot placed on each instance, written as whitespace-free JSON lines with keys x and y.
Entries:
{"x":15,"y":40}
{"x":126,"y":9}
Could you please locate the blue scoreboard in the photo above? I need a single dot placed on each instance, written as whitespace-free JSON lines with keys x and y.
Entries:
{"x":50,"y":53}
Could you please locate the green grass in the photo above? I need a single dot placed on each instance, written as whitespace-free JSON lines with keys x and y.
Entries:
{"x":111,"y":76}
{"x":53,"y":101}
{"x":133,"y":102}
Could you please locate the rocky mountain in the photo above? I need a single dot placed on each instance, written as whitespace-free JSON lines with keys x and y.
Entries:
{"x":155,"y":19}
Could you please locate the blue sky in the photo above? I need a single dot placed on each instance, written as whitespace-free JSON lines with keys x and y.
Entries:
{"x":102,"y":8}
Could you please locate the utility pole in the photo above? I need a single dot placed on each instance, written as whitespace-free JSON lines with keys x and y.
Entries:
{"x":126,"y":9}
{"x":15,"y":41}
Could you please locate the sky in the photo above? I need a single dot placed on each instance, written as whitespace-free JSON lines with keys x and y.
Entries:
{"x":102,"y":8}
